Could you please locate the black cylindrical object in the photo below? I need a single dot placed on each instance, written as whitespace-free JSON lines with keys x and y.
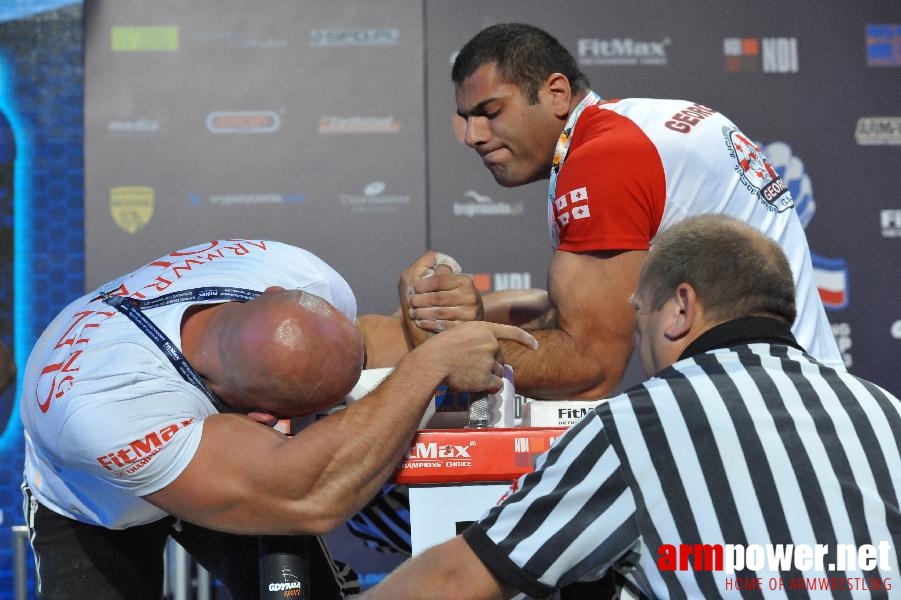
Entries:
{"x":284,"y":567}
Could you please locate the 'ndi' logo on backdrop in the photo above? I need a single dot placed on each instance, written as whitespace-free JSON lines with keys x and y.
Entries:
{"x":488,"y":282}
{"x":753,"y":55}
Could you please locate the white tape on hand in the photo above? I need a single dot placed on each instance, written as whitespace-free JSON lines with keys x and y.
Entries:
{"x":444,"y":259}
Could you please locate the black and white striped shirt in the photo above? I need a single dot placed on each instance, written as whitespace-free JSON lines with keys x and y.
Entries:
{"x":746,"y":440}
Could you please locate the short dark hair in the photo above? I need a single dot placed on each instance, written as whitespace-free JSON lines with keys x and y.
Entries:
{"x":735,"y":270}
{"x":524,"y":54}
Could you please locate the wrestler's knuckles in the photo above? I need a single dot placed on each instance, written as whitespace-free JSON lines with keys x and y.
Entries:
{"x":457,"y":292}
{"x":424,"y":266}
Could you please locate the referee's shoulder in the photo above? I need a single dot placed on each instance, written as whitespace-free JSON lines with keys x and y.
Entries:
{"x":647,"y":392}
{"x":660,"y":389}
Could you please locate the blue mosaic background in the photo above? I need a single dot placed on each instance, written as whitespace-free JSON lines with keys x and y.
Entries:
{"x":41,"y":95}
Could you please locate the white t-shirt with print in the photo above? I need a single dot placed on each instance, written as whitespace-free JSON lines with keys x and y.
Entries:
{"x":107,"y":417}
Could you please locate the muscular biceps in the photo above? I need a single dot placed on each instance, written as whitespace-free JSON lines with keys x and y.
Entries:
{"x":584,"y":351}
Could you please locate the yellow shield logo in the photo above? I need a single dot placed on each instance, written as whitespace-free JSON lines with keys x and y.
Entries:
{"x":131,"y":206}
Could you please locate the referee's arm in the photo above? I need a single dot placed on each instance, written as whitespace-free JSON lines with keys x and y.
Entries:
{"x":450,"y":570}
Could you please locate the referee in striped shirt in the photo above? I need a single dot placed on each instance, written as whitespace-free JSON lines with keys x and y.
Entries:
{"x":741,"y":468}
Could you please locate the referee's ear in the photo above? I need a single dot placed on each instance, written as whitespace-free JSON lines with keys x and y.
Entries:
{"x":682,"y":314}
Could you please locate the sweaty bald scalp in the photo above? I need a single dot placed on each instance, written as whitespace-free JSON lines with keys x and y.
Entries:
{"x":289,"y":353}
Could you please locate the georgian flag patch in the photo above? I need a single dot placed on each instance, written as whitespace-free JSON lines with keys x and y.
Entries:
{"x":581,"y":212}
{"x":577,"y":200}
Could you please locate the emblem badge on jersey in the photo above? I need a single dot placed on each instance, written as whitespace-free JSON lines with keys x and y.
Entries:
{"x":577,"y":199}
{"x":756,"y":172}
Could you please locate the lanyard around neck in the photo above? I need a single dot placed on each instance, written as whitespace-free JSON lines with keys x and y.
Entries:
{"x":560,"y":152}
{"x":134,"y":308}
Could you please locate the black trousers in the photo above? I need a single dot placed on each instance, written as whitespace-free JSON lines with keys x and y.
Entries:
{"x":75,"y":560}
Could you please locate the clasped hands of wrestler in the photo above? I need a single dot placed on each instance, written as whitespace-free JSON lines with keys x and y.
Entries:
{"x":435,"y":295}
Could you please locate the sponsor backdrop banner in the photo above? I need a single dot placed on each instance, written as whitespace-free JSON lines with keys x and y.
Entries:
{"x":303,"y":122}
{"x":331,"y":125}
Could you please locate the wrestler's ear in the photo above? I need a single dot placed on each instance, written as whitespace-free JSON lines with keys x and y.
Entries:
{"x":557,"y":87}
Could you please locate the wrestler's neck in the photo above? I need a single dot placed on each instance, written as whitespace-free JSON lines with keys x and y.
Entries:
{"x":574,"y":101}
{"x":576,"y":98}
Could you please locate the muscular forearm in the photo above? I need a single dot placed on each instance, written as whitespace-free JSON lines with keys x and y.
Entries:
{"x":564,"y":368}
{"x":375,"y":433}
{"x":587,"y":340}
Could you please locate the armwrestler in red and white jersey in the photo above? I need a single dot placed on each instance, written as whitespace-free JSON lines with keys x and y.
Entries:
{"x":619,"y":172}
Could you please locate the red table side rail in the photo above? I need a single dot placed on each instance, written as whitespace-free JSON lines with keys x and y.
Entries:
{"x":467,"y":455}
